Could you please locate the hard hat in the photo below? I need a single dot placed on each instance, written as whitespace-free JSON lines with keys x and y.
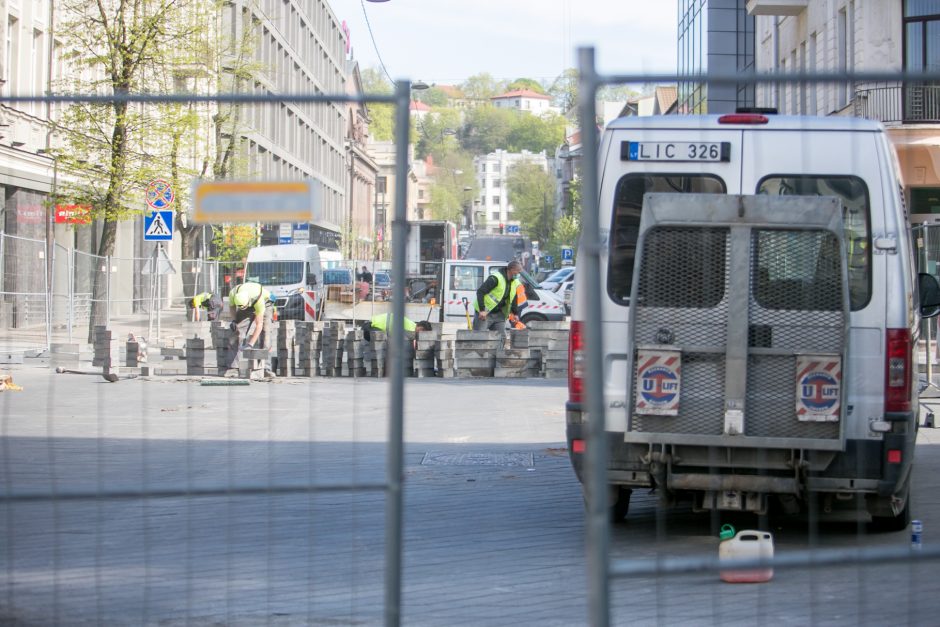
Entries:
{"x":240,"y":299}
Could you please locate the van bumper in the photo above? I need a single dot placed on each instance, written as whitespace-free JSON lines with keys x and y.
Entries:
{"x":290,"y":307}
{"x":866,"y":466}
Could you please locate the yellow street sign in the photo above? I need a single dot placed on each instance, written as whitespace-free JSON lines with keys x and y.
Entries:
{"x":218,"y":202}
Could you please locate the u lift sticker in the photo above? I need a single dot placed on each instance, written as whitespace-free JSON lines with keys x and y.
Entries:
{"x":818,"y":388}
{"x":658,"y":382}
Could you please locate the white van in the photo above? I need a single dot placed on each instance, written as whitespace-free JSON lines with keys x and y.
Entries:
{"x":760,"y":311}
{"x":294,"y":276}
{"x":463,"y":277}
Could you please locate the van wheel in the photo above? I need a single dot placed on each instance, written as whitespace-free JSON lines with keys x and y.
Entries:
{"x":619,"y":509}
{"x":533,"y":317}
{"x":894,"y":523}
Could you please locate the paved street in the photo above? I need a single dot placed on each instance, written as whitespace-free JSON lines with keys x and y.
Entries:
{"x":494,"y":525}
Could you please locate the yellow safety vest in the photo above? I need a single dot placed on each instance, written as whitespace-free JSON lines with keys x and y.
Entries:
{"x":494,"y":296}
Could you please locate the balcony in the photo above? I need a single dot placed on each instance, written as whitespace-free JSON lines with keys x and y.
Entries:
{"x":894,"y":102}
{"x":776,"y":7}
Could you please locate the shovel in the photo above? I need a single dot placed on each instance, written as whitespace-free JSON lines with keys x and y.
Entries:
{"x":110,"y":377}
{"x":433,"y":303}
{"x":467,"y":312}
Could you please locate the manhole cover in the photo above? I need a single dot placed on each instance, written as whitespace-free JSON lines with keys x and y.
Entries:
{"x":518,"y":460}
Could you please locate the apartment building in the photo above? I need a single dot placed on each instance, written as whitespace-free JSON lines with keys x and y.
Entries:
{"x":714,"y":36}
{"x":834,"y":36}
{"x":493,"y":208}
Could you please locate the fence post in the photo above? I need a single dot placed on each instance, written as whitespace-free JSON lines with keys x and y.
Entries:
{"x":107,"y":294}
{"x":48,"y":276}
{"x":70,"y":317}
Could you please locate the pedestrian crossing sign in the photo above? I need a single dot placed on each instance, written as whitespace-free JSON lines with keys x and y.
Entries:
{"x":158,"y":226}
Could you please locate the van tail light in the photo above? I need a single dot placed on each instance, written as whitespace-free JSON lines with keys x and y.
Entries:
{"x":576,"y":362}
{"x":899,"y":373}
{"x":743,"y":118}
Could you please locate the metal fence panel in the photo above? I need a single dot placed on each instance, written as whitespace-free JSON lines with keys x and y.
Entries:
{"x":24,"y":300}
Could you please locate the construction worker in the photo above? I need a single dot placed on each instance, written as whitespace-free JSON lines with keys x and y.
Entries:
{"x":252,"y":307}
{"x":208,"y":301}
{"x":381,"y":323}
{"x":495,"y":300}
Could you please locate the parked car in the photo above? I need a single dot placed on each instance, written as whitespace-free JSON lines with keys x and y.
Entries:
{"x":556,"y":278}
{"x":383,"y":284}
{"x":567,"y":292}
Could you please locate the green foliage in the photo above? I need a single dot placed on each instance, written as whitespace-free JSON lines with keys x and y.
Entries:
{"x":437,"y":133}
{"x":486,"y":129}
{"x":233,"y":241}
{"x":526,"y":83}
{"x":482,"y":87}
{"x":564,"y":92}
{"x":454,"y":186}
{"x":532,"y":195}
{"x":567,"y":232}
{"x":433,"y":97}
{"x":381,"y":126}
{"x":535,"y":134}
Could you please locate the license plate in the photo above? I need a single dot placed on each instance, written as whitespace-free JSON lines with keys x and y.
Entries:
{"x":675,"y":151}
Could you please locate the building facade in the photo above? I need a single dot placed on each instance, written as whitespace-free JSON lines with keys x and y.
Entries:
{"x":524,"y":100}
{"x":493,"y":209}
{"x":714,"y":36}
{"x":301,"y":48}
{"x":358,"y":231}
{"x":827,"y":36}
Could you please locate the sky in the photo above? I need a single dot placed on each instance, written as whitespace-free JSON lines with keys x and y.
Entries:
{"x":447,"y":41}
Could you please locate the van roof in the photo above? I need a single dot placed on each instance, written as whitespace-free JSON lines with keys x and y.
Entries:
{"x":774,"y":122}
{"x":280,"y":251}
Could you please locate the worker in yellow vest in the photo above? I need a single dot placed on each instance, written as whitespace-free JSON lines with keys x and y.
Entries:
{"x":495,"y":300}
{"x":381,"y":323}
{"x":208,"y":301}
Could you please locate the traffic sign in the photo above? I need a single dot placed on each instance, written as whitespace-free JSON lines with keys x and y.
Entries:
{"x":512,"y":228}
{"x":567,"y":255}
{"x":159,"y":194}
{"x":158,"y":226}
{"x":218,"y":202}
{"x":549,"y":260}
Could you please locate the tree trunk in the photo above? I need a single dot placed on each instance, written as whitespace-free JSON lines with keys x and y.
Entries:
{"x":110,"y":212}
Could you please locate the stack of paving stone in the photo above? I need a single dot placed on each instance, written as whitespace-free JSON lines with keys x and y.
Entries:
{"x":551,"y":338}
{"x":427,"y":344}
{"x":195,"y":356}
{"x":135,"y":353}
{"x":202,"y":330}
{"x":252,"y":362}
{"x":354,"y":367}
{"x":332,"y":337}
{"x":517,"y":360}
{"x":286,"y":348}
{"x":102,"y":345}
{"x":172,"y":360}
{"x":225,"y":341}
{"x":475,"y":352}
{"x":307,"y":349}
{"x":444,"y":357}
{"x":69,"y":354}
{"x":375,"y":353}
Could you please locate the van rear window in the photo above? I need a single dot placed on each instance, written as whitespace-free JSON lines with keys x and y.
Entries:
{"x":856,"y":221}
{"x":625,"y":225}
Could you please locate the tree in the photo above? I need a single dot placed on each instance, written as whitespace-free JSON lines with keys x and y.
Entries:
{"x":233,"y":241}
{"x":564,"y":92}
{"x":482,"y":87}
{"x":381,"y":115}
{"x":454,"y":187}
{"x":437,"y":133}
{"x":535,"y":134}
{"x":526,"y":83}
{"x":486,"y":129}
{"x":532,"y":196}
{"x":116,"y":48}
{"x":433,"y":97}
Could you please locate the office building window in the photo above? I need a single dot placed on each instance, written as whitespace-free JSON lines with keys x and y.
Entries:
{"x":496,"y":200}
{"x":921,"y":53}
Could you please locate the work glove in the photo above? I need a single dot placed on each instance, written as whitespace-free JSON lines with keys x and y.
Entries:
{"x":233,"y":326}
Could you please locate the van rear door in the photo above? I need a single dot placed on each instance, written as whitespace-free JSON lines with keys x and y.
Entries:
{"x":844,"y":164}
{"x":681,"y":158}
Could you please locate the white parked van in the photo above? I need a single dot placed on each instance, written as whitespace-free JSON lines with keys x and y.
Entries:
{"x":463,"y":277}
{"x":294,"y":276}
{"x":760,"y":311}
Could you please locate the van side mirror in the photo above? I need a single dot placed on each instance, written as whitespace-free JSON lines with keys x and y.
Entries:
{"x":311,"y":279}
{"x":929,"y":290}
